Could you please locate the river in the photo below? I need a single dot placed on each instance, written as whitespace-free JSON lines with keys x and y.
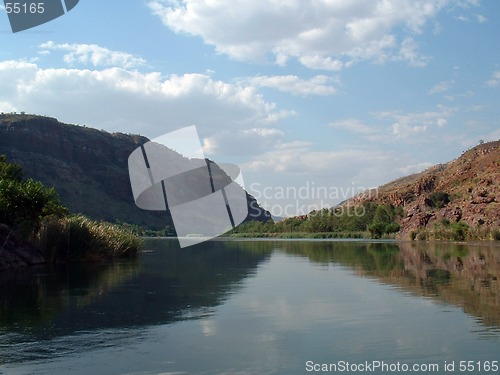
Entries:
{"x":258,"y":307}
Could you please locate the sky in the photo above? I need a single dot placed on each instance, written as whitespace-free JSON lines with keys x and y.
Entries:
{"x":315,"y":100}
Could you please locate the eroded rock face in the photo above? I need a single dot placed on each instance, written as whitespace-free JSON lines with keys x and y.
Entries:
{"x":472,"y":183}
{"x":16,"y":252}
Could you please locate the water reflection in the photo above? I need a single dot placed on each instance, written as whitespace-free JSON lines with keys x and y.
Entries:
{"x":466,"y":275}
{"x":32,"y":298}
{"x":167,"y":284}
{"x":75,"y":307}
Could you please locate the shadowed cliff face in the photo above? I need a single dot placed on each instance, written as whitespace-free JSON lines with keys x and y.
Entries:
{"x":88,"y":167}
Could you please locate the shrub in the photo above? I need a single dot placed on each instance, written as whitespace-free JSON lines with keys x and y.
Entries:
{"x":422,"y":236}
{"x":495,"y":234}
{"x":384,"y":221}
{"x":376,"y":229}
{"x":77,"y":238}
{"x":439,"y":199}
{"x":460,"y":230}
{"x":24,"y":203}
{"x":445,"y":222}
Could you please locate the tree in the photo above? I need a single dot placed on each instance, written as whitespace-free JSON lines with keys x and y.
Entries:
{"x":384,"y":220}
{"x":24,"y":203}
{"x":10,"y":171}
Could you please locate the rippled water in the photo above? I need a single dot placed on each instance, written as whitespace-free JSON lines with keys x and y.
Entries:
{"x":256,"y":307}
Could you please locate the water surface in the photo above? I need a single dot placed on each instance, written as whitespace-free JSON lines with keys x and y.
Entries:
{"x":255,"y":307}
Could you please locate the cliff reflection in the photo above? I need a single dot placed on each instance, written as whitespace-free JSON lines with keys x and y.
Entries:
{"x":465,"y":275}
{"x":166,"y":284}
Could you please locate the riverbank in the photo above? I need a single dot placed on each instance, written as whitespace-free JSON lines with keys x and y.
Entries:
{"x":67,"y":240}
{"x":452,"y":234}
{"x":36,"y":228}
{"x":305,"y":235}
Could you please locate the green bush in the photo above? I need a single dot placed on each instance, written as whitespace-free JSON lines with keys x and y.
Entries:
{"x":385,"y":221}
{"x":439,"y":199}
{"x":422,"y":236}
{"x":460,"y":230}
{"x":36,"y":213}
{"x":24,"y":203}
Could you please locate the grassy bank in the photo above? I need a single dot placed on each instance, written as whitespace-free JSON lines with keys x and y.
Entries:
{"x":446,"y":231}
{"x":369,"y":220}
{"x":79,"y":239}
{"x":35,"y":213}
{"x":305,"y":235}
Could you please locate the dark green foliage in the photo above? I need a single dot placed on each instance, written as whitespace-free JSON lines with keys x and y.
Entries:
{"x":439,"y":199}
{"x":35,"y":212}
{"x":10,"y":171}
{"x":384,"y":221}
{"x":445,"y":222}
{"x":369,"y":219}
{"x":24,"y":203}
{"x":460,"y":230}
{"x":167,"y":231}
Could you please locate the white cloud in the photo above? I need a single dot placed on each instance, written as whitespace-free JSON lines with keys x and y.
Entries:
{"x":92,"y":54}
{"x":405,"y":130}
{"x":321,"y":34}
{"x":462,"y":18}
{"x":414,"y":168}
{"x":242,"y":142}
{"x":353,"y":125}
{"x":299,"y":158}
{"x":406,"y":125}
{"x":324,"y":63}
{"x":441,"y":87}
{"x":318,"y":85}
{"x":495,"y":79}
{"x":402,"y":125}
{"x":117,"y":99}
{"x":409,"y":52}
{"x":481,"y":19}
{"x":343,"y":172}
{"x":466,"y":3}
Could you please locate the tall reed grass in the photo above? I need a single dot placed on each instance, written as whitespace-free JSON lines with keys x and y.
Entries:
{"x":77,"y":238}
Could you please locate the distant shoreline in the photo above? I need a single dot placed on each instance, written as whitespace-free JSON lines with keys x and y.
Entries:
{"x":337,"y":239}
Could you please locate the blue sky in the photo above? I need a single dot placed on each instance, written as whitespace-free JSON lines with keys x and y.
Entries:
{"x":302,"y":94}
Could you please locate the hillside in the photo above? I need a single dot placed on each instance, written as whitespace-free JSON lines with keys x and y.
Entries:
{"x":465,"y":190}
{"x":459,"y":200}
{"x":88,"y":167}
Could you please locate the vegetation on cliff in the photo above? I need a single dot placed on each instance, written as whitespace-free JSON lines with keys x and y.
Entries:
{"x":456,"y":201}
{"x":35,"y":213}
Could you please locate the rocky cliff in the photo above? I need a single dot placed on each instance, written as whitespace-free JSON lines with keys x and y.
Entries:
{"x":464,"y":190}
{"x":88,"y":167}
